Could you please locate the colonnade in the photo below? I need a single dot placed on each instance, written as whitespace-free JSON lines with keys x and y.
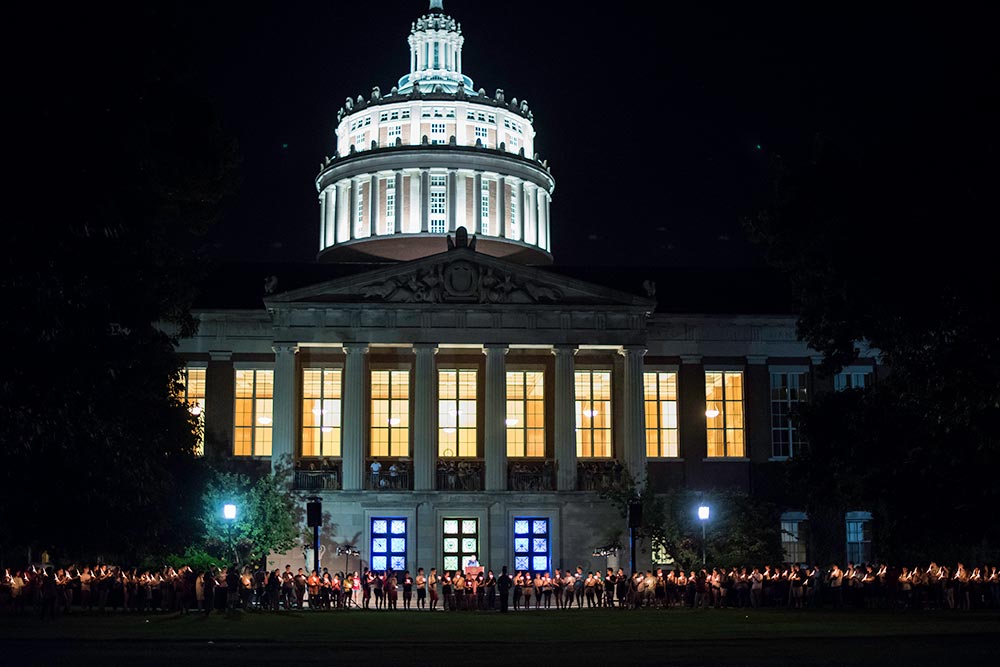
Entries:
{"x":358,"y":207}
{"x":424,"y":414}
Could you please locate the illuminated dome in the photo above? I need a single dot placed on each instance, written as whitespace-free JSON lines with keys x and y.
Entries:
{"x":433,"y":155}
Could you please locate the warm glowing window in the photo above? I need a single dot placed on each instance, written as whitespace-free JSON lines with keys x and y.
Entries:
{"x":787,"y":391}
{"x":456,"y":413}
{"x":460,"y":542}
{"x":321,"y":411}
{"x":660,"y":392}
{"x":390,"y":413}
{"x":254,"y":412}
{"x":192,"y":392}
{"x":525,"y":413}
{"x":593,"y":414}
{"x":724,"y":413}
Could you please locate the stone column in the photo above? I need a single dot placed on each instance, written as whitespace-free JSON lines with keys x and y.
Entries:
{"x":502,"y":207}
{"x":521,"y":211}
{"x":424,"y":410}
{"x":634,"y":451}
{"x":548,"y":224}
{"x":283,"y":425}
{"x":452,"y":199}
{"x":322,"y":220}
{"x":353,"y":449}
{"x":691,"y":406}
{"x":220,"y":397}
{"x":373,"y":206}
{"x":331,"y":216}
{"x":425,"y":200}
{"x":495,"y":413}
{"x":477,"y":202}
{"x":399,"y":203}
{"x":565,"y":417}
{"x":352,"y":220}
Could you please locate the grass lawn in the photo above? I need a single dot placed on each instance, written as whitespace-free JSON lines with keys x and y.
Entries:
{"x":584,"y":637}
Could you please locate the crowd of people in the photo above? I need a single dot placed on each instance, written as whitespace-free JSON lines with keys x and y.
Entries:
{"x":48,"y":591}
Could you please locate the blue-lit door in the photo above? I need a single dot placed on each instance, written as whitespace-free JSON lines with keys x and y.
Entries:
{"x":532,"y":545}
{"x":388,"y":544}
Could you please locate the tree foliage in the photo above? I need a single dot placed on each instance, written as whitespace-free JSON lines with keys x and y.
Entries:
{"x":268,"y":517}
{"x":881,"y":234}
{"x":121,"y":167}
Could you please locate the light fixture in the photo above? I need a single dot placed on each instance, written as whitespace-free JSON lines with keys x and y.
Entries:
{"x":229,"y":511}
{"x":590,"y":413}
{"x":196,"y":410}
{"x":394,"y":421}
{"x":510,"y":421}
{"x":264,"y":420}
{"x":317,"y":411}
{"x":327,"y":429}
{"x":449,"y":431}
{"x":712,"y":413}
{"x":703,"y":512}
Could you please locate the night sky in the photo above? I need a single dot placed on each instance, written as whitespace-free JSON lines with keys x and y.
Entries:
{"x":658,"y":121}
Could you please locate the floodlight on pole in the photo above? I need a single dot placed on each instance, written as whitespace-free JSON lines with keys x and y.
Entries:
{"x":703,"y":513}
{"x":229,"y":511}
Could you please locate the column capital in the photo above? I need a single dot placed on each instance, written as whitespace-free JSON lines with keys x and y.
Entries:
{"x":356,"y":348}
{"x":282,"y":347}
{"x":816,"y":360}
{"x":632,"y":349}
{"x":425,"y":347}
{"x":756,"y":359}
{"x":220,"y":355}
{"x":487,"y":347}
{"x":690,"y":358}
{"x":565,"y":349}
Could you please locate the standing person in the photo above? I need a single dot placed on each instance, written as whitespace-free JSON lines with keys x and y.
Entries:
{"x":209,"y":586}
{"x":503,"y":586}
{"x":233,"y":587}
{"x":578,"y":586}
{"x":432,"y":588}
{"x":588,"y":586}
{"x":367,"y":579}
{"x":610,"y":582}
{"x":299,"y":583}
{"x":547,"y":590}
{"x":391,"y":590}
{"x":446,"y":592}
{"x":407,"y":589}
{"x":518,"y":586}
{"x":86,"y":578}
{"x":526,"y":589}
{"x":378,"y":588}
{"x":421,"y":584}
{"x":491,"y":590}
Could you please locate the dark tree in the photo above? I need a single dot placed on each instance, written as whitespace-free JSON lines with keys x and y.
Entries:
{"x":121,"y":168}
{"x":883,"y":230}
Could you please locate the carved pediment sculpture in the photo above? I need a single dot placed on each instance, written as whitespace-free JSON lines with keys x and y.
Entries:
{"x":460,"y":281}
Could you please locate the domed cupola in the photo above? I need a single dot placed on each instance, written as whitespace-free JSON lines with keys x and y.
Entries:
{"x":430,"y":156}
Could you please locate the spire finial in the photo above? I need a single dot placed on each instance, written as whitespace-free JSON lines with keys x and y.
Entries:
{"x":438,"y":5}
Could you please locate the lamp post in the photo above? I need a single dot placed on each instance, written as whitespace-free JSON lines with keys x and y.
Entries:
{"x":229,"y":514}
{"x":703,"y":514}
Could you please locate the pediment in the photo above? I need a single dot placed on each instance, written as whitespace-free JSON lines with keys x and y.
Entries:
{"x":461,"y":276}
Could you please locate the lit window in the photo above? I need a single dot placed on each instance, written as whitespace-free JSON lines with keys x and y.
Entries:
{"x":437,"y":128}
{"x":438,"y":181}
{"x":660,"y":390}
{"x":437,"y":203}
{"x":480,"y":116}
{"x":394,"y":115}
{"x":470,"y":115}
{"x":532,"y":545}
{"x":254,"y":412}
{"x":525,"y":413}
{"x":787,"y":391}
{"x":484,"y":207}
{"x":513,"y":217}
{"x":456,"y":413}
{"x":360,"y":212}
{"x":388,"y":544}
{"x":859,"y":537}
{"x":359,"y":141}
{"x":506,"y":123}
{"x":390,"y":413}
{"x":384,"y":116}
{"x":724,"y":413}
{"x":395,"y":132}
{"x":192,"y":393}
{"x":492,"y":118}
{"x":593,"y":414}
{"x":460,"y":542}
{"x":513,"y":143}
{"x":449,"y":113}
{"x":404,"y":114}
{"x":426,"y":113}
{"x":321,"y":411}
{"x":437,"y":226}
{"x":368,"y":121}
{"x":850,"y":380}
{"x":793,"y":536}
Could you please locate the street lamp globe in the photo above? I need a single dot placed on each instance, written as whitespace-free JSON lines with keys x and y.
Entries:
{"x":703,"y":512}
{"x":229,"y":511}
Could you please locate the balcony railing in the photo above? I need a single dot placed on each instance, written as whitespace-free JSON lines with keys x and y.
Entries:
{"x":326,"y":479}
{"x":387,"y":475}
{"x":460,"y":475}
{"x":530,"y":476}
{"x":598,"y":475}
